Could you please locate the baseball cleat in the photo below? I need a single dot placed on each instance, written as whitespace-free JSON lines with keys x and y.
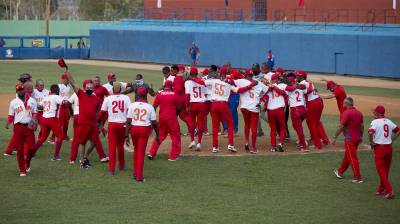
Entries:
{"x":280,"y":147}
{"x":337,"y":174}
{"x":260,"y":134}
{"x":357,"y":181}
{"x":254,"y":151}
{"x":110,"y":173}
{"x":51,"y":142}
{"x":207,"y":134}
{"x":56,"y":158}
{"x":389,"y":195}
{"x":140,"y":180}
{"x":173,"y":160}
{"x":104,"y":160}
{"x":192,"y":144}
{"x":380,"y":193}
{"x":6,"y":154}
{"x":71,"y":162}
{"x":246,"y":147}
{"x":274,"y":149}
{"x":215,"y":150}
{"x":232,"y":148}
{"x":22,"y":174}
{"x":150,"y":157}
{"x":198,"y":147}
{"x":28,"y":169}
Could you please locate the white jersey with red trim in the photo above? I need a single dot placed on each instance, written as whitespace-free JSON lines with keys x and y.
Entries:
{"x":220,"y":90}
{"x":40,"y":95}
{"x":275,"y":100}
{"x":141,"y":113}
{"x":21,"y":113}
{"x":75,"y":103}
{"x":208,"y":89}
{"x":116,"y":107}
{"x":51,"y":106}
{"x":109,"y":87}
{"x":296,"y":98}
{"x":268,"y":76}
{"x":196,"y":91}
{"x":382,"y":130}
{"x":170,"y":78}
{"x":250,"y":100}
{"x":313,"y":94}
{"x":65,"y":91}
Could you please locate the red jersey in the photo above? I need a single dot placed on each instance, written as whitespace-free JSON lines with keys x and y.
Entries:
{"x":88,"y":108}
{"x":179,"y":86}
{"x":352,"y":119}
{"x":168,"y":101}
{"x":340,"y":95}
{"x":100,"y":92}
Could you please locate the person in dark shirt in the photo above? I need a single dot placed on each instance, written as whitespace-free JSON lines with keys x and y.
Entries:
{"x":134,"y":86}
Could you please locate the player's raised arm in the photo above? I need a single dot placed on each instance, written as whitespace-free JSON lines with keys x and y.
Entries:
{"x":72,"y":82}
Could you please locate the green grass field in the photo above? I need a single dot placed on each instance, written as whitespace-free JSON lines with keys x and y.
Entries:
{"x":246,"y":189}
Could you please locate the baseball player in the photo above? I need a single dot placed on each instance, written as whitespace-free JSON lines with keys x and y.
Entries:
{"x":314,"y":106}
{"x":196,"y":99}
{"x":169,"y":104}
{"x":140,"y":120}
{"x":381,"y":133}
{"x":250,"y":108}
{"x":139,"y":81}
{"x":111,"y":77}
{"x":22,"y":112}
{"x":338,"y":92}
{"x":89,"y":107}
{"x":50,"y":121}
{"x":65,"y":93}
{"x":116,"y":106}
{"x":352,"y":126}
{"x":208,"y":103}
{"x":275,"y":104}
{"x":39,"y":93}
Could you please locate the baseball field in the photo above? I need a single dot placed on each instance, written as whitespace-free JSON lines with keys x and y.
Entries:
{"x":201,"y":187}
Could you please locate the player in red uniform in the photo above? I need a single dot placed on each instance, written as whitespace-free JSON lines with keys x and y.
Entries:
{"x":141,"y":118}
{"x":381,"y":133}
{"x":352,"y":126}
{"x":22,"y":112}
{"x":169,"y":103}
{"x":89,"y":107}
{"x":338,"y":92}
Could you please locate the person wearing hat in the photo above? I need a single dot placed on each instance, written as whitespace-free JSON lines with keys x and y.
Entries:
{"x":111,"y":77}
{"x":22,"y":113}
{"x":65,"y":93}
{"x":338,"y":92}
{"x":196,"y":99}
{"x":116,"y":107}
{"x":168,"y":102}
{"x":352,"y":126}
{"x":141,"y":118}
{"x":205,"y":73}
{"x":382,"y":132}
{"x":314,"y":106}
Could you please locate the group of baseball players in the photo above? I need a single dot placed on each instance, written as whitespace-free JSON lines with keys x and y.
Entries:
{"x":192,"y":96}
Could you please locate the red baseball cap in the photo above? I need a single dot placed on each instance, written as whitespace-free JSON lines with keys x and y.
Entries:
{"x":205,"y":71}
{"x":291,"y":78}
{"x":223,"y":70}
{"x":64,"y":75}
{"x":87,"y":81}
{"x":275,"y":76}
{"x":193,"y":71}
{"x":301,"y":73}
{"x":110,"y":75}
{"x":280,"y":70}
{"x":330,"y":84}
{"x":380,"y":109}
{"x":19,"y":87}
{"x":181,"y":68}
{"x":168,"y":84}
{"x":141,"y":91}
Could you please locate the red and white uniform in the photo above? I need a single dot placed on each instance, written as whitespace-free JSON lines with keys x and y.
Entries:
{"x":40,"y":95}
{"x":75,"y":104}
{"x":170,"y":78}
{"x":276,"y":113}
{"x":141,"y":114}
{"x":168,"y":124}
{"x":65,"y":93}
{"x":250,"y":107}
{"x":197,"y":105}
{"x":109,"y":87}
{"x":297,"y":106}
{"x":21,"y":114}
{"x":116,"y":106}
{"x":208,"y":106}
{"x":382,"y":130}
{"x":50,"y":121}
{"x":73,"y":100}
{"x":268,"y":76}
{"x":314,"y":109}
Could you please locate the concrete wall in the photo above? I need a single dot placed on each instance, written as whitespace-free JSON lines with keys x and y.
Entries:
{"x":342,"y":52}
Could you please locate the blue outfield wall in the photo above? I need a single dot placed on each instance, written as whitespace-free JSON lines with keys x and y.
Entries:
{"x":338,"y":49}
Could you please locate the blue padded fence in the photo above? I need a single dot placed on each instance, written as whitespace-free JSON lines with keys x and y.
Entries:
{"x":356,"y":49}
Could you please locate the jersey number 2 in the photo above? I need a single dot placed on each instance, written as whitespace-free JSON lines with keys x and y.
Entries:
{"x":118,"y":105}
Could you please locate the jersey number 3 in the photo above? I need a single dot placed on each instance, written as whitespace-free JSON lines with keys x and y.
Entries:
{"x":139,"y":114}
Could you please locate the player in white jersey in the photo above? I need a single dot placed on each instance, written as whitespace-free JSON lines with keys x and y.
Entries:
{"x":381,"y":133}
{"x":196,"y":99}
{"x":116,"y":107}
{"x":141,"y":118}
{"x":314,"y":106}
{"x":208,"y":103}
{"x":275,"y":104}
{"x":111,"y":77}
{"x":22,"y":113}
{"x":39,"y":93}
{"x":65,"y":93}
{"x":250,"y":108}
{"x":50,"y":120}
{"x":167,"y":74}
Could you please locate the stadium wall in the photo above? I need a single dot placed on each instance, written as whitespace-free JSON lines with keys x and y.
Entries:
{"x":330,"y":51}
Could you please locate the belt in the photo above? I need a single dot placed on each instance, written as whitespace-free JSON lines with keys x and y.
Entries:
{"x":221,"y":101}
{"x":314,"y":99}
{"x":298,"y":106}
{"x":22,"y":124}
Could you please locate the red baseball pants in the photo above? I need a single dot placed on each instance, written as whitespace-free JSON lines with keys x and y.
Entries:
{"x":383,"y":161}
{"x":350,"y":158}
{"x":171,"y":127}
{"x":116,"y":140}
{"x":298,"y":114}
{"x":205,"y":122}
{"x":75,"y":144}
{"x":197,"y":113}
{"x":250,"y":122}
{"x":220,"y":110}
{"x":52,"y":124}
{"x":23,"y":135}
{"x":64,"y":120}
{"x":277,"y":117}
{"x":313,"y":119}
{"x":140,"y":136}
{"x":185,"y":117}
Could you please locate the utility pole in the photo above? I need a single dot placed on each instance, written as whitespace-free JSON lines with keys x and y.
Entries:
{"x":47,"y":16}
